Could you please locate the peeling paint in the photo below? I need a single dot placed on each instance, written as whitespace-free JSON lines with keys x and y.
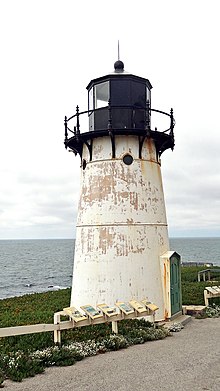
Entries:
{"x":130,"y":221}
{"x":106,"y":239}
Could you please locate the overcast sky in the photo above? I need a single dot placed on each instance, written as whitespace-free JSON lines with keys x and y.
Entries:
{"x":51,"y":49}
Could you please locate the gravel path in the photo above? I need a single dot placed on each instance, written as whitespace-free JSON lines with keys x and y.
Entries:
{"x":189,"y":360}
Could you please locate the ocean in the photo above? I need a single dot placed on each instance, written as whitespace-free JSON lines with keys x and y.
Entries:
{"x":30,"y":266}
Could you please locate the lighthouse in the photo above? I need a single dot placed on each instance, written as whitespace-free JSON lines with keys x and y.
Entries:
{"x":122,"y":246}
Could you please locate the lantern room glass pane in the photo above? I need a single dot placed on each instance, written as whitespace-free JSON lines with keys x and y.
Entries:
{"x":91,"y":100}
{"x":101,"y":94}
{"x":148,"y":95}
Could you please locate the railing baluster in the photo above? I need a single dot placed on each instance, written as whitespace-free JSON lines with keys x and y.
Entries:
{"x":171,"y":122}
{"x":109,"y":115}
{"x":66,"y":132}
{"x":77,"y":120}
{"x":148,"y":115}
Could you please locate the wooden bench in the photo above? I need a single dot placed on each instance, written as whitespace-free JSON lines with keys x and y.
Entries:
{"x":208,"y":272}
{"x":211,"y":292}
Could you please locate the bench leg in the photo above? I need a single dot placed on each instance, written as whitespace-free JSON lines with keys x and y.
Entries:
{"x":115,"y":327}
{"x":57,"y":333}
{"x":153,"y":319}
{"x":206,"y":298}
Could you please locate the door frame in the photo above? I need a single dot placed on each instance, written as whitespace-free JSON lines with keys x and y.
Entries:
{"x":175,"y":284}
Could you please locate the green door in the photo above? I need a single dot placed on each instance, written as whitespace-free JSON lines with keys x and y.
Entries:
{"x":175,"y":284}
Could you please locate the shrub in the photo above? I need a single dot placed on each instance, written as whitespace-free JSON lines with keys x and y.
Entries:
{"x":213,"y":311}
{"x":24,"y":363}
{"x":2,"y":378}
{"x":115,"y":342}
{"x":19,"y":365}
{"x":27,"y":355}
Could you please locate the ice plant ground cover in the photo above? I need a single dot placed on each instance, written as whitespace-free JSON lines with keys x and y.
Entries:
{"x":17,"y":365}
{"x":27,"y":355}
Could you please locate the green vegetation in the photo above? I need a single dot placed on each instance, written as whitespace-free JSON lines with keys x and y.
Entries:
{"x":32,"y":309}
{"x":19,"y":359}
{"x":27,"y":355}
{"x":192,"y":290}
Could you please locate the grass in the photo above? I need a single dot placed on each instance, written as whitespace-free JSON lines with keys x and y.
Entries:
{"x":31,"y":309}
{"x":192,"y":290}
{"x":16,"y":353}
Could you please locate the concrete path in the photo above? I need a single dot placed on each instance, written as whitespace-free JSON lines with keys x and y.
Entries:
{"x":189,"y":360}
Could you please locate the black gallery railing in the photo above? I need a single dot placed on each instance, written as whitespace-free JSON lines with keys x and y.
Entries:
{"x":133,"y":109}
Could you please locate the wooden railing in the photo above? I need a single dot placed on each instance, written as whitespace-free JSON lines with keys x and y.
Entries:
{"x":76,"y":319}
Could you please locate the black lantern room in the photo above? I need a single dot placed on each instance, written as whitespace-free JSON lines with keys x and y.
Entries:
{"x":118,"y":104}
{"x":127,"y":96}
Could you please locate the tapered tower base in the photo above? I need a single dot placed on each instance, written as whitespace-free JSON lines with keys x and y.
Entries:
{"x":121,"y":227}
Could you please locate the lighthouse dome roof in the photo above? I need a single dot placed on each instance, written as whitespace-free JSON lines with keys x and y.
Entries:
{"x":118,"y":72}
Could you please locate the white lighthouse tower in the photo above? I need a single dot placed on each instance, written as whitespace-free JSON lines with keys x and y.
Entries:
{"x":122,"y":246}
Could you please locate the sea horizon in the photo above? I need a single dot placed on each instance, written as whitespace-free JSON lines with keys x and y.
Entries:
{"x":61,"y":238}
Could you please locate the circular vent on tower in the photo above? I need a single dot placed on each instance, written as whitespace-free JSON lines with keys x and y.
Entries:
{"x":128,"y":159}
